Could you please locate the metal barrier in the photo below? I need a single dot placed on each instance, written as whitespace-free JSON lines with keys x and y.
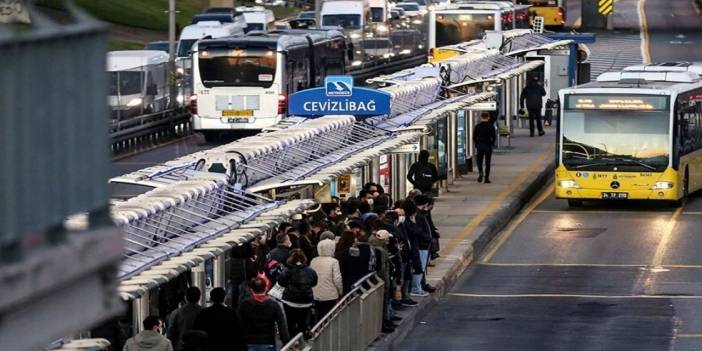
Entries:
{"x":354,"y":322}
{"x":130,"y":134}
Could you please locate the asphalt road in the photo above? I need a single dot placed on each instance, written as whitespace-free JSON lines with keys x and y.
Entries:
{"x":608,"y":276}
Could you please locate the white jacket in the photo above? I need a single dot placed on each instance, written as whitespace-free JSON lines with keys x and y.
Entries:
{"x":329,"y":285}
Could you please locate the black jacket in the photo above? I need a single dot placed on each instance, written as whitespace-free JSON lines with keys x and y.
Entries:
{"x":298,"y":282}
{"x":222,"y":328}
{"x":423,"y":176}
{"x":484,"y":135}
{"x":533,"y":94}
{"x":356,"y":263}
{"x":258,"y":321}
{"x":280,"y":254}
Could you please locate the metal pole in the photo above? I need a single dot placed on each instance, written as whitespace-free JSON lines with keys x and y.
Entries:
{"x":172,"y":51}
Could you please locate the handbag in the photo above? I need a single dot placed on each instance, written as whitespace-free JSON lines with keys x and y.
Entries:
{"x":276,"y":292}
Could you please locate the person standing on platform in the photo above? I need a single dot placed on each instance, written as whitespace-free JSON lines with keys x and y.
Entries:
{"x":484,"y":137}
{"x":423,"y":174}
{"x":149,"y":339}
{"x":183,"y":319}
{"x":533,"y":94}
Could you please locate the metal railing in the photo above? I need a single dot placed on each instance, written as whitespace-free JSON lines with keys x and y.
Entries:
{"x":354,"y":322}
{"x":133,"y":133}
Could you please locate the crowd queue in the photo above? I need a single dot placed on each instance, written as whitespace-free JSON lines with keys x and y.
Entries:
{"x":296,"y":276}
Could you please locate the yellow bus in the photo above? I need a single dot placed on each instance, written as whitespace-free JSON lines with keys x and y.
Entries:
{"x":632,"y":135}
{"x":553,"y":11}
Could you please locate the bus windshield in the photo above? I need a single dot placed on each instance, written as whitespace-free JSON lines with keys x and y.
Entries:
{"x":249,"y":67}
{"x":630,"y":140}
{"x":346,"y":21}
{"x":184,"y":47}
{"x":454,"y":28}
{"x":126,"y":82}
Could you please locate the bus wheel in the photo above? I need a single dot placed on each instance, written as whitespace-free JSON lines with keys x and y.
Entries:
{"x":575,"y":203}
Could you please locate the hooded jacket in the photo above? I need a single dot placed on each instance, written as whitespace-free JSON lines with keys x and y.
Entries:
{"x":148,"y":340}
{"x":532,"y":94}
{"x":329,"y":284}
{"x":182,"y":320}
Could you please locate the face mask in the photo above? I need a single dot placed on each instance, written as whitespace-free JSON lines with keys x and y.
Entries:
{"x":338,"y":213}
{"x":400,"y":219}
{"x":370,"y":202}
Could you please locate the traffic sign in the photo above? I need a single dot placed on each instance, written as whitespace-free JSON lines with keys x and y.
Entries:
{"x":339,"y":97}
{"x":605,"y":7}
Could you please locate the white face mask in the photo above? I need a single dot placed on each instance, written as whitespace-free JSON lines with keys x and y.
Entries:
{"x":400,"y":219}
{"x":370,"y":202}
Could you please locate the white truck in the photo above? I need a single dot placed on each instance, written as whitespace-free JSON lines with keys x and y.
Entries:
{"x":353,"y":16}
{"x":194,"y":32}
{"x":257,"y":18}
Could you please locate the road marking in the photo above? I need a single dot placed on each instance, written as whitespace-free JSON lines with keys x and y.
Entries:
{"x":602,"y":212}
{"x":665,"y":239}
{"x":475,"y":222}
{"x":666,"y":266}
{"x":577,"y":296}
{"x":645,"y":45}
{"x":507,"y":232}
{"x":696,"y":213}
{"x":689,"y":335}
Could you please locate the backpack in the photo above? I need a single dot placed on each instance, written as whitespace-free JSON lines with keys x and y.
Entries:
{"x":424,"y":175}
{"x":273,"y":270}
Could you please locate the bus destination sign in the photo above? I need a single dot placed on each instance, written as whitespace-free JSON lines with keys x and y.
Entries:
{"x":616,"y":102}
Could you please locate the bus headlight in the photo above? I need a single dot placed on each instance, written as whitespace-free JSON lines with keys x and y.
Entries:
{"x":355,"y":36}
{"x":568,"y":184}
{"x":134,"y":102}
{"x":663,"y":185}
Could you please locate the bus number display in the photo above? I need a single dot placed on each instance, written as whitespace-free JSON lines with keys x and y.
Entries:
{"x":616,"y":102}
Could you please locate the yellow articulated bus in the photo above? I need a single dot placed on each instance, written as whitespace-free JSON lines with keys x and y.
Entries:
{"x":553,"y":11}
{"x":632,"y":135}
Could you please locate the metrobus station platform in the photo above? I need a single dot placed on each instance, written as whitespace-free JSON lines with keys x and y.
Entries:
{"x":470,"y":214}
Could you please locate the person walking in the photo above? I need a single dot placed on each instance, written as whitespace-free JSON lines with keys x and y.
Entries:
{"x":220,"y":323}
{"x":149,"y":339}
{"x":259,"y":315}
{"x":533,"y":94}
{"x":484,"y":137}
{"x":298,"y":280}
{"x":423,"y":174}
{"x":183,"y":319}
{"x":329,"y":285}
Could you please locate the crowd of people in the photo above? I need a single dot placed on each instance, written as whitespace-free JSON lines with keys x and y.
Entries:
{"x":296,"y":275}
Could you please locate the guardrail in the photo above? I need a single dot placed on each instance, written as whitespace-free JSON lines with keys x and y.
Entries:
{"x":354,"y":322}
{"x":133,"y":133}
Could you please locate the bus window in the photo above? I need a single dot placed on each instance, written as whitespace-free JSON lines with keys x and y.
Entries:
{"x":521,"y":20}
{"x":454,"y":28}
{"x":252,"y":67}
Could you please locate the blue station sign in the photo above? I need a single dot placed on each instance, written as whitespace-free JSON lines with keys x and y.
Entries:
{"x":339,"y":97}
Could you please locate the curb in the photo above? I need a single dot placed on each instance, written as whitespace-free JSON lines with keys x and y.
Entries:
{"x":486,"y":232}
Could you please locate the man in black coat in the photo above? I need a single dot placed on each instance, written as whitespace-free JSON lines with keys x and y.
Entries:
{"x":422,"y":174}
{"x":220,"y":323}
{"x":484,"y":137}
{"x":533,"y":94}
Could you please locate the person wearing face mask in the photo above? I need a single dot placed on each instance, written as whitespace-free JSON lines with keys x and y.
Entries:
{"x":423,"y":203}
{"x":401,"y":254}
{"x":149,"y":339}
{"x":419,"y":234}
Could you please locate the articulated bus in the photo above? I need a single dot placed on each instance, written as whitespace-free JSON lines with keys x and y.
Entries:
{"x":468,"y":20}
{"x":632,"y":135}
{"x":242,"y":83}
{"x":553,"y":11}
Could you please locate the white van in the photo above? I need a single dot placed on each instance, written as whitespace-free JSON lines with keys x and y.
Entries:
{"x":194,"y":32}
{"x":257,"y":18}
{"x":351,"y":15}
{"x":138,"y":82}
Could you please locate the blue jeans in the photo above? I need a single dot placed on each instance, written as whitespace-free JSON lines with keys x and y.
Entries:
{"x":260,"y":347}
{"x":417,"y":278}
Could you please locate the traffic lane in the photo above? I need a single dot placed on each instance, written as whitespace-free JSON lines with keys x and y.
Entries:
{"x":159,"y":154}
{"x":674,"y":30}
{"x":685,"y":244}
{"x":545,"y":323}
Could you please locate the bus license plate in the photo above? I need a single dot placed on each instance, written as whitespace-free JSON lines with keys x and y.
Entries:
{"x":238,"y":120}
{"x":615,"y":196}
{"x":237,"y":113}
